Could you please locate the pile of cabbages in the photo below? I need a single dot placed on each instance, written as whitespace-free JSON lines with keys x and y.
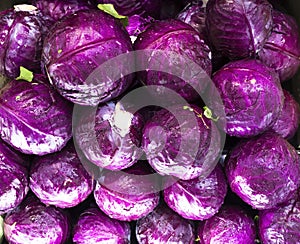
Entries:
{"x":80,"y":162}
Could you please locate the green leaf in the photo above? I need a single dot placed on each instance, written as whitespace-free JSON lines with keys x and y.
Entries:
{"x":25,"y":74}
{"x":208,"y":114}
{"x":109,"y":8}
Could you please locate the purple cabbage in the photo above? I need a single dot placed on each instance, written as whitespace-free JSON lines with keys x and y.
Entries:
{"x":264,"y":171}
{"x":127,"y":195}
{"x":239,"y":28}
{"x":34,"y":118}
{"x":131,"y":7}
{"x":95,"y":227}
{"x":111,"y":136}
{"x":22,"y":31}
{"x":58,"y":9}
{"x":197,"y":199}
{"x":174,"y":37}
{"x":137,"y":24}
{"x":195,"y":15}
{"x":33,"y":222}
{"x":13,"y":181}
{"x":170,"y":152}
{"x":282,"y":49}
{"x":288,"y":121}
{"x":74,"y":51}
{"x":60,"y":179}
{"x":252,"y":96}
{"x":164,"y":226}
{"x":231,"y":225}
{"x":281,"y":224}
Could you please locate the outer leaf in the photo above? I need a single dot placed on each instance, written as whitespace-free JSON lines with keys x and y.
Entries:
{"x":34,"y":118}
{"x":239,"y":28}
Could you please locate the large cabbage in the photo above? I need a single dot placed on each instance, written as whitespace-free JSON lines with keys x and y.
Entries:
{"x":239,"y":28}
{"x":186,"y":149}
{"x":282,"y":49}
{"x":264,"y":171}
{"x":281,"y":224}
{"x":57,"y":9}
{"x":231,"y":225}
{"x":164,"y":226}
{"x":78,"y":45}
{"x":95,"y":227}
{"x":180,"y":42}
{"x":288,"y":121}
{"x":22,"y":31}
{"x":13,"y":181}
{"x":132,"y":7}
{"x":111,"y":136}
{"x":60,"y":179}
{"x":127,"y":195}
{"x":34,"y":118}
{"x":33,"y":222}
{"x":197,"y":199}
{"x":252,"y":96}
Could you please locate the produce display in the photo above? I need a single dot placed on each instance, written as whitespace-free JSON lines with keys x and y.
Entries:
{"x":149,"y":121}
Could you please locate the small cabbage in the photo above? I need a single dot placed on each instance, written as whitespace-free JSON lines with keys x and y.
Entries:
{"x":60,"y":179}
{"x":252,"y":96}
{"x":179,"y":41}
{"x":57,"y":9}
{"x":34,"y":118}
{"x":110,"y":137}
{"x":164,"y":226}
{"x":33,"y":222}
{"x":197,"y":199}
{"x":127,"y":195}
{"x":264,"y":171}
{"x":74,"y":51}
{"x":288,"y":121}
{"x":131,"y":7}
{"x":231,"y":225}
{"x":195,"y":15}
{"x":282,"y":49}
{"x":22,"y":31}
{"x":95,"y":227}
{"x":281,"y":224}
{"x":13,"y":181}
{"x":185,"y":154}
{"x":239,"y":28}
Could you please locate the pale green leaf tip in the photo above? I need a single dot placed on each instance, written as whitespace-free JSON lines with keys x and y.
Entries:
{"x":109,"y":8}
{"x":59,"y":51}
{"x":25,"y":74}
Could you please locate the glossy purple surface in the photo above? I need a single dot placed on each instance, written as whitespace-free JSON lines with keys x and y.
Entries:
{"x":231,"y":225}
{"x":252,"y":96}
{"x":127,"y":195}
{"x":78,"y":45}
{"x":162,"y":139}
{"x":282,"y":49}
{"x":174,"y":37}
{"x":281,"y":224}
{"x":111,"y":138}
{"x":13,"y":180}
{"x":197,"y":199}
{"x":132,"y":7}
{"x":264,"y":171}
{"x":94,"y":226}
{"x":164,"y":226}
{"x":33,"y":222}
{"x":34,"y":118}
{"x":137,"y":24}
{"x":288,"y":121}
{"x":60,"y":179}
{"x":21,"y":40}
{"x":57,"y":9}
{"x":239,"y":28}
